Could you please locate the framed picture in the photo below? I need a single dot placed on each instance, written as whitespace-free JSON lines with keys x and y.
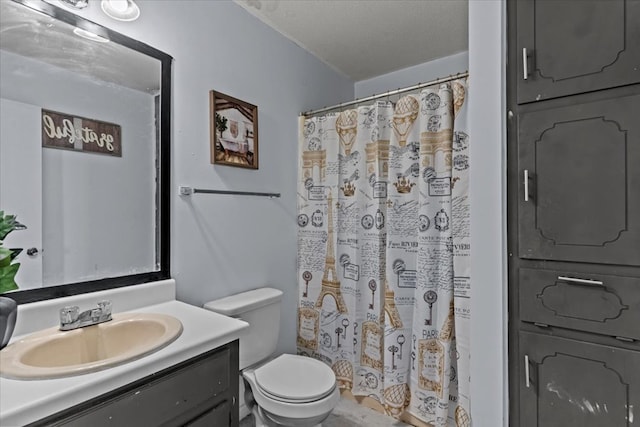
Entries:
{"x":234,"y":131}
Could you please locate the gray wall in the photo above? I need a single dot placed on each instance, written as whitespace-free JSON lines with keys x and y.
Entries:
{"x":487,"y":107}
{"x":421,"y":73}
{"x":226,"y":244}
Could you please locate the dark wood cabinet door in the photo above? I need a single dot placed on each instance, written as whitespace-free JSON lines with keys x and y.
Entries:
{"x":577,"y":384}
{"x":574,"y":47}
{"x":579,"y":198}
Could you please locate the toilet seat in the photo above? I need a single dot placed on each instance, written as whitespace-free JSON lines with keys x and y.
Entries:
{"x":295,"y":379}
{"x":292,"y":401}
{"x":299,"y":405}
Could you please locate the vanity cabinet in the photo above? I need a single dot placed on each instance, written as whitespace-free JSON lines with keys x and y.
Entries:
{"x":202,"y":391}
{"x":566,"y":47}
{"x":573,"y":212}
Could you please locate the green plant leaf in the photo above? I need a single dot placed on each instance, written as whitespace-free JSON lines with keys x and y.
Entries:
{"x":7,"y":277}
{"x":15,"y":252}
{"x":8,"y":270}
{"x":8,"y":223}
{"x":5,"y":256}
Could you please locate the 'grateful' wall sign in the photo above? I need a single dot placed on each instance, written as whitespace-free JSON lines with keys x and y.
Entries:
{"x":69,"y":132}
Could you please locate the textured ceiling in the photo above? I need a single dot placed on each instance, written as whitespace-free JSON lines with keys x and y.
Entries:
{"x":368,"y":38}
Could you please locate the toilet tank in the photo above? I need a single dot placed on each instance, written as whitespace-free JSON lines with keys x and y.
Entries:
{"x":261,"y":309}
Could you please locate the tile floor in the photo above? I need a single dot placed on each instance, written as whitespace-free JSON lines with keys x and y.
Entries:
{"x":349,"y":414}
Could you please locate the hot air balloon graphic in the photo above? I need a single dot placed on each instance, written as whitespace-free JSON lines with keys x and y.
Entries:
{"x":404,"y":115}
{"x":346,"y":126}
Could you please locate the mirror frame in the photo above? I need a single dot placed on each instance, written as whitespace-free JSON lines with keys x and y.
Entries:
{"x":163,"y":162}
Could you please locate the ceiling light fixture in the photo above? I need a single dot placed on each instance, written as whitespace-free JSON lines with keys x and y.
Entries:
{"x":121,"y":10}
{"x":76,"y":4}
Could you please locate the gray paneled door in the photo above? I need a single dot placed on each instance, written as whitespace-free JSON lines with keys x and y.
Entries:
{"x":577,"y":384}
{"x":604,"y":304}
{"x":571,"y":47}
{"x":579,"y":199}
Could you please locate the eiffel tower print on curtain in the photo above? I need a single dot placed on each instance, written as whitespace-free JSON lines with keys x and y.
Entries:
{"x":330,"y":282}
{"x":390,"y":306}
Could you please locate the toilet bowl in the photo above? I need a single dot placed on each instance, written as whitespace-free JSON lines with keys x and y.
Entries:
{"x":287,"y":390}
{"x":292,"y":390}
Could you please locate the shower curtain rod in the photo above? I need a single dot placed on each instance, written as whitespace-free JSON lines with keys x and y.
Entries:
{"x":389,"y":93}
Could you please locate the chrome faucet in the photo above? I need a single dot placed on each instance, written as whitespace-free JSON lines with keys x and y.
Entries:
{"x":72,"y":318}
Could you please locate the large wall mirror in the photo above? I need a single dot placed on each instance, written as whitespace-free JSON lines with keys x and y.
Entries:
{"x":84,"y":152}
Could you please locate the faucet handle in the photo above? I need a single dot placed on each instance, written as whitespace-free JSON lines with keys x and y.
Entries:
{"x":105,"y":308}
{"x":69,"y":314}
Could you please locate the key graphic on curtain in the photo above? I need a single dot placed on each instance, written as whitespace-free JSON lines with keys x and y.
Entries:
{"x":413,"y":353}
{"x":345,"y":323}
{"x":306,"y":276}
{"x":372,"y":286}
{"x":393,"y":349}
{"x":401,"y":340}
{"x":430,"y":297}
{"x":355,"y":339}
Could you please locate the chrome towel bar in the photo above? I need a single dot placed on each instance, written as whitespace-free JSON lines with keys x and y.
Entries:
{"x":187,"y":191}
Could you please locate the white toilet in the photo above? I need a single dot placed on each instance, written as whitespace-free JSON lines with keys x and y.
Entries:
{"x":287,"y":390}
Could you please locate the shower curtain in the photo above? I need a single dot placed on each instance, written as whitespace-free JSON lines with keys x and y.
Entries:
{"x":383,"y":253}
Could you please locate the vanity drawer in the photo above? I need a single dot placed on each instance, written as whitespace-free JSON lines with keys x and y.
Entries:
{"x":602,"y":304}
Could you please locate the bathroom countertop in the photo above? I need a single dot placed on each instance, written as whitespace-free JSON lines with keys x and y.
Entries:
{"x":25,"y":401}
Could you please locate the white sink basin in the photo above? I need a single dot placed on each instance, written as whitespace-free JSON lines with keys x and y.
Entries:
{"x":52,"y":353}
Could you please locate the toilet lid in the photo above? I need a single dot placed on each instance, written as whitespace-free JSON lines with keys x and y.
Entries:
{"x":291,"y":377}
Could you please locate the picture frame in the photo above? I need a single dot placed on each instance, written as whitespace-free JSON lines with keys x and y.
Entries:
{"x":234,"y":131}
